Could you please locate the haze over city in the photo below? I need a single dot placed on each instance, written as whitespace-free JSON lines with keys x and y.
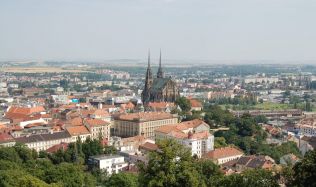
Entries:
{"x":212,"y":30}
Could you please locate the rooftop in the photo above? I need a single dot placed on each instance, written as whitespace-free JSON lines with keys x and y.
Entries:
{"x":145,"y":116}
{"x":77,"y":130}
{"x":43,"y":137}
{"x":104,"y":157}
{"x":223,"y":153}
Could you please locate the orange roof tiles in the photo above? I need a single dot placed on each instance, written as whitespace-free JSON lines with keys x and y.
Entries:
{"x":149,"y":146}
{"x":200,"y":135}
{"x":76,"y":121}
{"x":181,"y":126}
{"x":223,"y":153}
{"x":101,"y":112}
{"x":77,"y":130}
{"x":96,"y":122}
{"x":26,"y":110}
{"x":195,"y":103}
{"x":5,"y":137}
{"x":62,"y":146}
{"x":178,"y":130}
{"x":193,"y":123}
{"x":46,"y":116}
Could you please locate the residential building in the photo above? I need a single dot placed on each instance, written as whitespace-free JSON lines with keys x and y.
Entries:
{"x":41,"y":142}
{"x":130,"y":144}
{"x":6,"y":140}
{"x":148,"y":147}
{"x":193,"y":134}
{"x":98,"y":128}
{"x":78,"y":132}
{"x":249,"y":162}
{"x":142,"y":123}
{"x":109,"y":163}
{"x":196,"y":105}
{"x":307,"y":126}
{"x":223,"y":155}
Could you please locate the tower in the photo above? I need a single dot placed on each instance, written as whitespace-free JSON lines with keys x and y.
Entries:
{"x":160,"y":73}
{"x":148,"y":82}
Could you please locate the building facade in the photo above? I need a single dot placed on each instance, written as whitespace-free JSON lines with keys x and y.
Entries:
{"x":192,"y":134}
{"x":41,"y":142}
{"x":98,"y":128}
{"x":142,"y":123}
{"x":109,"y":163}
{"x":223,"y":155}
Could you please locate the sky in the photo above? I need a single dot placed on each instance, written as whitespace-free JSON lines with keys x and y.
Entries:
{"x":236,"y":30}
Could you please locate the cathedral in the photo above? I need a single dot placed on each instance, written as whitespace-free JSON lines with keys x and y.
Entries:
{"x":159,"y":89}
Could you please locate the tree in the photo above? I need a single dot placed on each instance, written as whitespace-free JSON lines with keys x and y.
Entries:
{"x":184,"y":104}
{"x":249,"y":178}
{"x":70,"y":175}
{"x":20,"y":178}
{"x":122,"y":180}
{"x":217,"y":116}
{"x":172,"y":165}
{"x":91,"y":148}
{"x":305,"y":170}
{"x":261,"y":119}
{"x":208,"y":171}
{"x":219,"y":142}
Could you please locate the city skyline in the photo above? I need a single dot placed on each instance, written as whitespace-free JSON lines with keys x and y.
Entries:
{"x":234,"y":31}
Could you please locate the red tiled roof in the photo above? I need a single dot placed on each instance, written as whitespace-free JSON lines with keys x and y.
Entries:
{"x":101,"y":112}
{"x":77,"y":130}
{"x":181,"y":126}
{"x":55,"y":148}
{"x":195,"y":103}
{"x":5,"y":137}
{"x":96,"y":122}
{"x":193,"y":123}
{"x":26,"y":110}
{"x":200,"y":135}
{"x":76,"y":121}
{"x":223,"y":153}
{"x":149,"y":146}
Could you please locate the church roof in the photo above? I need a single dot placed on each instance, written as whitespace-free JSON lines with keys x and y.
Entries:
{"x":159,"y":83}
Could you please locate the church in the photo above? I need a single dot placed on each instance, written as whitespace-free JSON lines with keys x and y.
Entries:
{"x":160,"y":88}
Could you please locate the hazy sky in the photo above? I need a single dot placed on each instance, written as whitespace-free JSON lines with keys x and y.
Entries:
{"x":184,"y":29}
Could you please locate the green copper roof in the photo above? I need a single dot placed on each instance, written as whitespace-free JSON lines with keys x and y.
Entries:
{"x":159,"y":83}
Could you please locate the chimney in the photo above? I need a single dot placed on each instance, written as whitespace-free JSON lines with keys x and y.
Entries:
{"x":100,"y":106}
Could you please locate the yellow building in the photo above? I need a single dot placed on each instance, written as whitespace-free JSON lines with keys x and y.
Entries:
{"x":143,"y":123}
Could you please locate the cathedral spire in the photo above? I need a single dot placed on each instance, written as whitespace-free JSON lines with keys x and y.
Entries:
{"x":160,"y":73}
{"x":148,"y":82}
{"x":148,"y":59}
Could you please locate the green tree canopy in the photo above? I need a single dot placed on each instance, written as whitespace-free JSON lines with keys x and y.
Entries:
{"x":122,"y":180}
{"x":184,"y":104}
{"x":171,"y":166}
{"x":305,"y":170}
